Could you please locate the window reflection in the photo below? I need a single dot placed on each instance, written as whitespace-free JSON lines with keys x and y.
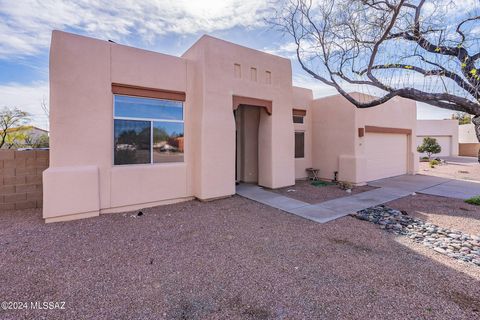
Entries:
{"x":147,"y":130}
{"x":132,"y":142}
{"x":148,"y":108}
{"x":168,"y":144}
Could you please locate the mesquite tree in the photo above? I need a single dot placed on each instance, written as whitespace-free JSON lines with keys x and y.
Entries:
{"x":425,"y":50}
{"x":9,"y":119}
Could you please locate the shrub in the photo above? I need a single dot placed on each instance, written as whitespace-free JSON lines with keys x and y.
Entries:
{"x":345,"y":185}
{"x":429,"y":146}
{"x":433,"y":163}
{"x":474,"y":200}
{"x":319,"y":183}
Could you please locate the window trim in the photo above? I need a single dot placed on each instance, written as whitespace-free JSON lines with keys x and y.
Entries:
{"x":299,"y":113}
{"x":144,"y":92}
{"x":151,"y":131}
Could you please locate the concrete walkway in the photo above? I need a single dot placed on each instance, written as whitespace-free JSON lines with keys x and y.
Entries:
{"x":388,"y":190}
{"x":437,"y":186}
{"x":461,"y":160}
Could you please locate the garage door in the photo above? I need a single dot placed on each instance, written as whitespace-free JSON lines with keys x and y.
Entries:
{"x":444,"y":141}
{"x":386,"y":155}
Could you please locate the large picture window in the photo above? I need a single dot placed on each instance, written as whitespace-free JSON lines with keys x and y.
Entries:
{"x":147,"y":130}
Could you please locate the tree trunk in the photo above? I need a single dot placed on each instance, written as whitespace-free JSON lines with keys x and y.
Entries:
{"x":476,"y":122}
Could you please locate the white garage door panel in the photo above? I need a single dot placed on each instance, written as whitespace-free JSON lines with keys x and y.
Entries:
{"x":444,"y":141}
{"x":386,"y":155}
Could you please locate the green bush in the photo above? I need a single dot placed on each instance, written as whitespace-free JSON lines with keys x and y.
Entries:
{"x":429,"y":146}
{"x":433,"y":163}
{"x":319,"y":183}
{"x":474,"y":200}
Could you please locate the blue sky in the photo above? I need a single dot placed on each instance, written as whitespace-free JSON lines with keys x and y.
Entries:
{"x":167,"y":26}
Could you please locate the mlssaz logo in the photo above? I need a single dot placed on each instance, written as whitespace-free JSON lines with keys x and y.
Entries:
{"x":48,"y":305}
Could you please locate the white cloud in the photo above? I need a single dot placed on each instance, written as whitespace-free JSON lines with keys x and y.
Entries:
{"x":287,"y":50}
{"x":27,"y":24}
{"x":27,"y":98}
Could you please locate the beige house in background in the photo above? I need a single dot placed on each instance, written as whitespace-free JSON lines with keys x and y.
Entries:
{"x":468,"y":142}
{"x":132,"y":128}
{"x":446,"y":132}
{"x":19,"y":137}
{"x":466,"y":133}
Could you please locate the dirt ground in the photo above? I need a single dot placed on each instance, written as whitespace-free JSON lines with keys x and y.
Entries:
{"x":444,"y":212}
{"x":304,"y":191}
{"x":461,"y":171}
{"x":226,"y":259}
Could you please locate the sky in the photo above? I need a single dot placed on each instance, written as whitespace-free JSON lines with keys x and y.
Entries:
{"x":167,"y":26}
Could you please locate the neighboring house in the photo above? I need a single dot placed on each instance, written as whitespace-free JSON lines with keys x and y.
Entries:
{"x":19,"y":135}
{"x":466,"y":133}
{"x":446,"y":133}
{"x":468,"y":141}
{"x":132,"y":128}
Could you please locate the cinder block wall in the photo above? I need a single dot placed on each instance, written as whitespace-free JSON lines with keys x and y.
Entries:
{"x":468,"y":149}
{"x":21,"y":178}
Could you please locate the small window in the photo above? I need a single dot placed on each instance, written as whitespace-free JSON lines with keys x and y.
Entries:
{"x":237,"y":71}
{"x":253,"y":74}
{"x":268,"y":77}
{"x":147,"y":130}
{"x":297,"y":119}
{"x":299,"y":115}
{"x":299,"y":144}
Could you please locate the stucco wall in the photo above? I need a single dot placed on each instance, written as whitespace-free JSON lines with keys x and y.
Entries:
{"x":301,"y":100}
{"x":336,"y":145}
{"x":440,"y":129}
{"x":82,"y":180}
{"x":81,"y":120}
{"x":333,"y":131}
{"x":217,"y":127}
{"x":466,"y":133}
{"x":396,"y":113}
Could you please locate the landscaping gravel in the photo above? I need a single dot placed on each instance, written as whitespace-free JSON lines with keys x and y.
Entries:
{"x":444,"y":212}
{"x":306,"y":192}
{"x":453,"y":243}
{"x":226,"y":259}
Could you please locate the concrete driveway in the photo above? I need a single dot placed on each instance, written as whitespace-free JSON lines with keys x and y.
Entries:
{"x":431,"y":185}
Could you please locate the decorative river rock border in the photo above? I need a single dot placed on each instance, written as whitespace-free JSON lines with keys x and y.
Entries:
{"x":452,"y":243}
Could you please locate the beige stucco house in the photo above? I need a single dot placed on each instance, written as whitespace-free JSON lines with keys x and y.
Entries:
{"x":132,"y":128}
{"x":446,"y":132}
{"x":468,"y":142}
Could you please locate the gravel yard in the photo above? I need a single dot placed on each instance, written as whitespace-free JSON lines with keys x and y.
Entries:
{"x":227,"y":259}
{"x":304,"y":191}
{"x":445,"y":212}
{"x":462,"y":171}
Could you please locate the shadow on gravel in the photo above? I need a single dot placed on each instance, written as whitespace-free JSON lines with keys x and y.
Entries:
{"x":226,"y":259}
